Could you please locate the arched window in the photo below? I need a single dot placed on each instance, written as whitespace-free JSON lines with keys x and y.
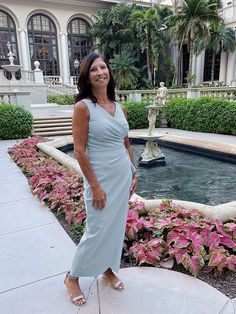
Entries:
{"x":7,"y":34}
{"x":43,"y":43}
{"x":79,"y":42}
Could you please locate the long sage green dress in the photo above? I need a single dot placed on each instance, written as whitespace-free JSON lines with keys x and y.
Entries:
{"x":101,"y":245}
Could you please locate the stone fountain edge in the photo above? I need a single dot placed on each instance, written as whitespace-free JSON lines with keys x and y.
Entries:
{"x":224,"y":212}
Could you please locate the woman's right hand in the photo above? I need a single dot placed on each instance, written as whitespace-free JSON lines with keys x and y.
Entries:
{"x":99,"y":197}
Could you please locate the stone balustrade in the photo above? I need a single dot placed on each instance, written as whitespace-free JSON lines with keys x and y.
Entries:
{"x":17,"y":97}
{"x":148,"y":95}
{"x":52,"y":80}
{"x":227,"y":93}
{"x":55,"y":83}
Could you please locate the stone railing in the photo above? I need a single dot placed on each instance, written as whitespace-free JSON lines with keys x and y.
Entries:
{"x":17,"y":97}
{"x":55,"y":83}
{"x":227,"y":93}
{"x":27,"y":76}
{"x":148,"y":95}
{"x":52,"y":80}
{"x":73,"y":80}
{"x":5,"y":97}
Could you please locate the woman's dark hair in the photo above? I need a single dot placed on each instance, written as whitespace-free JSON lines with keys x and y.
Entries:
{"x":84,"y":86}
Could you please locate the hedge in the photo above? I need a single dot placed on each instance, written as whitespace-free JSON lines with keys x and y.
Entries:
{"x":15,"y":122}
{"x":61,"y":99}
{"x":206,"y":114}
{"x":138,"y":114}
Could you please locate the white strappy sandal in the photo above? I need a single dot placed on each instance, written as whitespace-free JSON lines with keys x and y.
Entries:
{"x":118,"y":285}
{"x":77,"y":297}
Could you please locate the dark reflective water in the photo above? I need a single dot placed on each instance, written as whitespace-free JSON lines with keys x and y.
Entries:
{"x":187,"y":177}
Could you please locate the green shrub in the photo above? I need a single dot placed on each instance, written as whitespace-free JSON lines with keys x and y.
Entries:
{"x":138,"y":114}
{"x":61,"y":99}
{"x":206,"y":114}
{"x":15,"y":122}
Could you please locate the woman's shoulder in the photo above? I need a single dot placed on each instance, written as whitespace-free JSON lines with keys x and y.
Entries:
{"x":83,"y":103}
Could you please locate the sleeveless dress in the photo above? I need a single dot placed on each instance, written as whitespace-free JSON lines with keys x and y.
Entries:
{"x":101,"y":244}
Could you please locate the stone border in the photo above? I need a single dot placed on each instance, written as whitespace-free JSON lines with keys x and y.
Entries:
{"x":223,"y":212}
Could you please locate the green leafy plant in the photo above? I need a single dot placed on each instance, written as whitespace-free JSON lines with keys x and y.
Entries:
{"x":206,"y":114}
{"x":137,"y":114}
{"x":15,"y":122}
{"x":61,"y":99}
{"x":58,"y":187}
{"x":125,"y":72}
{"x":175,"y":234}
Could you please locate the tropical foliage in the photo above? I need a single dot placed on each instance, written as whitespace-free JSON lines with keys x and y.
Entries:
{"x":135,"y":31}
{"x":161,"y":237}
{"x":221,"y":39}
{"x":124,"y":69}
{"x":114,"y":30}
{"x":191,"y":22}
{"x":171,"y":234}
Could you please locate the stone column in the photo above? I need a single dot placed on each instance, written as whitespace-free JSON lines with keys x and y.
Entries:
{"x":24,"y":50}
{"x":230,"y":68}
{"x":65,"y":70}
{"x":200,"y":67}
{"x":223,"y":66}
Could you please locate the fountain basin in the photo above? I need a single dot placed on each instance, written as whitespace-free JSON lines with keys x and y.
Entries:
{"x":223,"y":210}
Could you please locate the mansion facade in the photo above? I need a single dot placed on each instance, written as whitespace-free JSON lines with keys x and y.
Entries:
{"x":55,"y":33}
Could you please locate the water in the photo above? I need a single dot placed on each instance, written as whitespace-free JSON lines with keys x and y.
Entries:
{"x":187,"y":177}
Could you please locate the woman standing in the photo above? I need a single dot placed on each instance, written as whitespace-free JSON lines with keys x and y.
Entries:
{"x":101,"y":145}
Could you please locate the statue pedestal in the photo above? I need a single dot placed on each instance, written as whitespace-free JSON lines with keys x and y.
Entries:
{"x":152,"y":155}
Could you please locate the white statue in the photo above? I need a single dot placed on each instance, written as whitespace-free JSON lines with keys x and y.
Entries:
{"x":161,"y":94}
{"x":152,"y":116}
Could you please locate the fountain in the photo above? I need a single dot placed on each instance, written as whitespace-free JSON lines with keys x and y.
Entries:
{"x":12,"y":68}
{"x":152,"y":155}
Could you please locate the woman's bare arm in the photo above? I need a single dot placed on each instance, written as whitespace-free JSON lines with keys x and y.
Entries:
{"x":80,"y":136}
{"x":131,"y":156}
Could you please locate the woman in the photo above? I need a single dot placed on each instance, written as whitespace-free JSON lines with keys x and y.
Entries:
{"x":101,"y":145}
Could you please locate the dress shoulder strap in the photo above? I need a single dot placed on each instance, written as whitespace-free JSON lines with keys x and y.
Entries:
{"x":90,"y":105}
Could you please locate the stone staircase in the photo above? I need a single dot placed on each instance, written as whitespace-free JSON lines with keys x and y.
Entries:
{"x":53,"y":126}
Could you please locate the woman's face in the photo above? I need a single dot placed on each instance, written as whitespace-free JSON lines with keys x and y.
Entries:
{"x":99,"y":73}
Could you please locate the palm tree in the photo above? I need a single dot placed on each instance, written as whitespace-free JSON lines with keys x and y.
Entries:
{"x":191,"y":22}
{"x":221,"y":38}
{"x":114,"y":30}
{"x":125,"y":72}
{"x":148,"y":23}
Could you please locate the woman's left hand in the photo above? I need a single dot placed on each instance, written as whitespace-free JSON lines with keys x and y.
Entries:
{"x":134,"y":184}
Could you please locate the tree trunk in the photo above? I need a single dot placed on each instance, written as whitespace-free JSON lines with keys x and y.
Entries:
{"x":176,"y":73}
{"x":148,"y":57}
{"x":190,"y":73}
{"x":213,"y":67}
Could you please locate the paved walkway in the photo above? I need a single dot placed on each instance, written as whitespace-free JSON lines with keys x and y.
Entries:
{"x":35,"y":253}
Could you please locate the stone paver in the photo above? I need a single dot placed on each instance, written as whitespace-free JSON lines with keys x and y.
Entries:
{"x":33,"y":254}
{"x":155,"y":290}
{"x":25,"y":214}
{"x":48,"y":296}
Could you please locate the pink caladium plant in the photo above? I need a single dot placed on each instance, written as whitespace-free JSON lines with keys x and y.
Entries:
{"x":58,"y":187}
{"x":186,"y":236}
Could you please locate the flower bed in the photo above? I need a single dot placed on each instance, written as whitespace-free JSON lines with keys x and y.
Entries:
{"x":161,"y":237}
